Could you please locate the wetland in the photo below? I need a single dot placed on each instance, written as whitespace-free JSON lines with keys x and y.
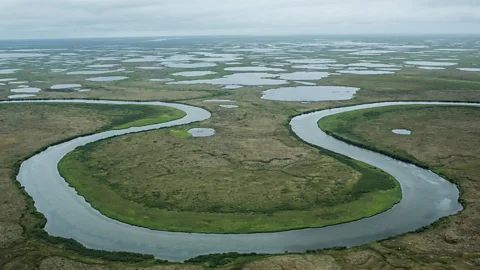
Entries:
{"x":252,"y":157}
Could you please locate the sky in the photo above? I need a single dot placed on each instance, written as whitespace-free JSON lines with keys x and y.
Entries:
{"x":29,"y":19}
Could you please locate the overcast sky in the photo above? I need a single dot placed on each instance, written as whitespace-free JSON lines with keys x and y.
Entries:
{"x":117,"y":18}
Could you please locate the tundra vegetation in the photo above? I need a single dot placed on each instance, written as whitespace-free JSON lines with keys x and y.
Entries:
{"x":253,"y":143}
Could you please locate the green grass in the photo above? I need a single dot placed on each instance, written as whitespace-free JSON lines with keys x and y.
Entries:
{"x":410,"y":80}
{"x":31,"y":128}
{"x":111,"y":204}
{"x":161,"y":117}
{"x":151,"y":115}
{"x":181,"y":133}
{"x":117,"y":116}
{"x":371,"y":128}
{"x":342,"y":126}
{"x":445,"y":140}
{"x":233,"y":259}
{"x":413,"y":251}
{"x":371,"y":180}
{"x":374,"y":192}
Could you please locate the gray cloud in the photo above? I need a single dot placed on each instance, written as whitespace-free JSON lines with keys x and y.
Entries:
{"x":96,"y":18}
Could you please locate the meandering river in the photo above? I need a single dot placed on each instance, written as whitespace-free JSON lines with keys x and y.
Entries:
{"x":426,"y":198}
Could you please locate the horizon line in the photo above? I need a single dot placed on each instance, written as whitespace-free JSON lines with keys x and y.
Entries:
{"x":252,"y":35}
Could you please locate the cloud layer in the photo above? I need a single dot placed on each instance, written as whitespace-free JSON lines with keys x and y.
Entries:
{"x":106,"y":18}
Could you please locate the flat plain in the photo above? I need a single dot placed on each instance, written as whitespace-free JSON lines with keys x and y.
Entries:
{"x":252,"y":166}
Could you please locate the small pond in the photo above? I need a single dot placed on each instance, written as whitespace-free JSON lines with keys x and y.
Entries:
{"x":202,"y":132}
{"x":150,"y":68}
{"x":402,"y":131}
{"x":8,"y":79}
{"x":229,"y":106}
{"x":191,"y":65}
{"x":107,"y":79}
{"x":65,"y":86}
{"x":103,"y":66}
{"x":310,"y":93}
{"x":365,"y":72}
{"x":161,"y":80}
{"x":194,"y":73}
{"x":219,"y":100}
{"x":469,"y":69}
{"x":9,"y":71}
{"x":430,"y":63}
{"x":430,"y":68}
{"x":254,"y":69}
{"x":26,"y":90}
{"x":93,"y":72}
{"x":251,"y":79}
{"x":21,"y":96}
{"x":232,"y":86}
{"x":304,"y":75}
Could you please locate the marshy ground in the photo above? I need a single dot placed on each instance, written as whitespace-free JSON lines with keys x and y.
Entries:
{"x":252,"y":140}
{"x":251,"y":176}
